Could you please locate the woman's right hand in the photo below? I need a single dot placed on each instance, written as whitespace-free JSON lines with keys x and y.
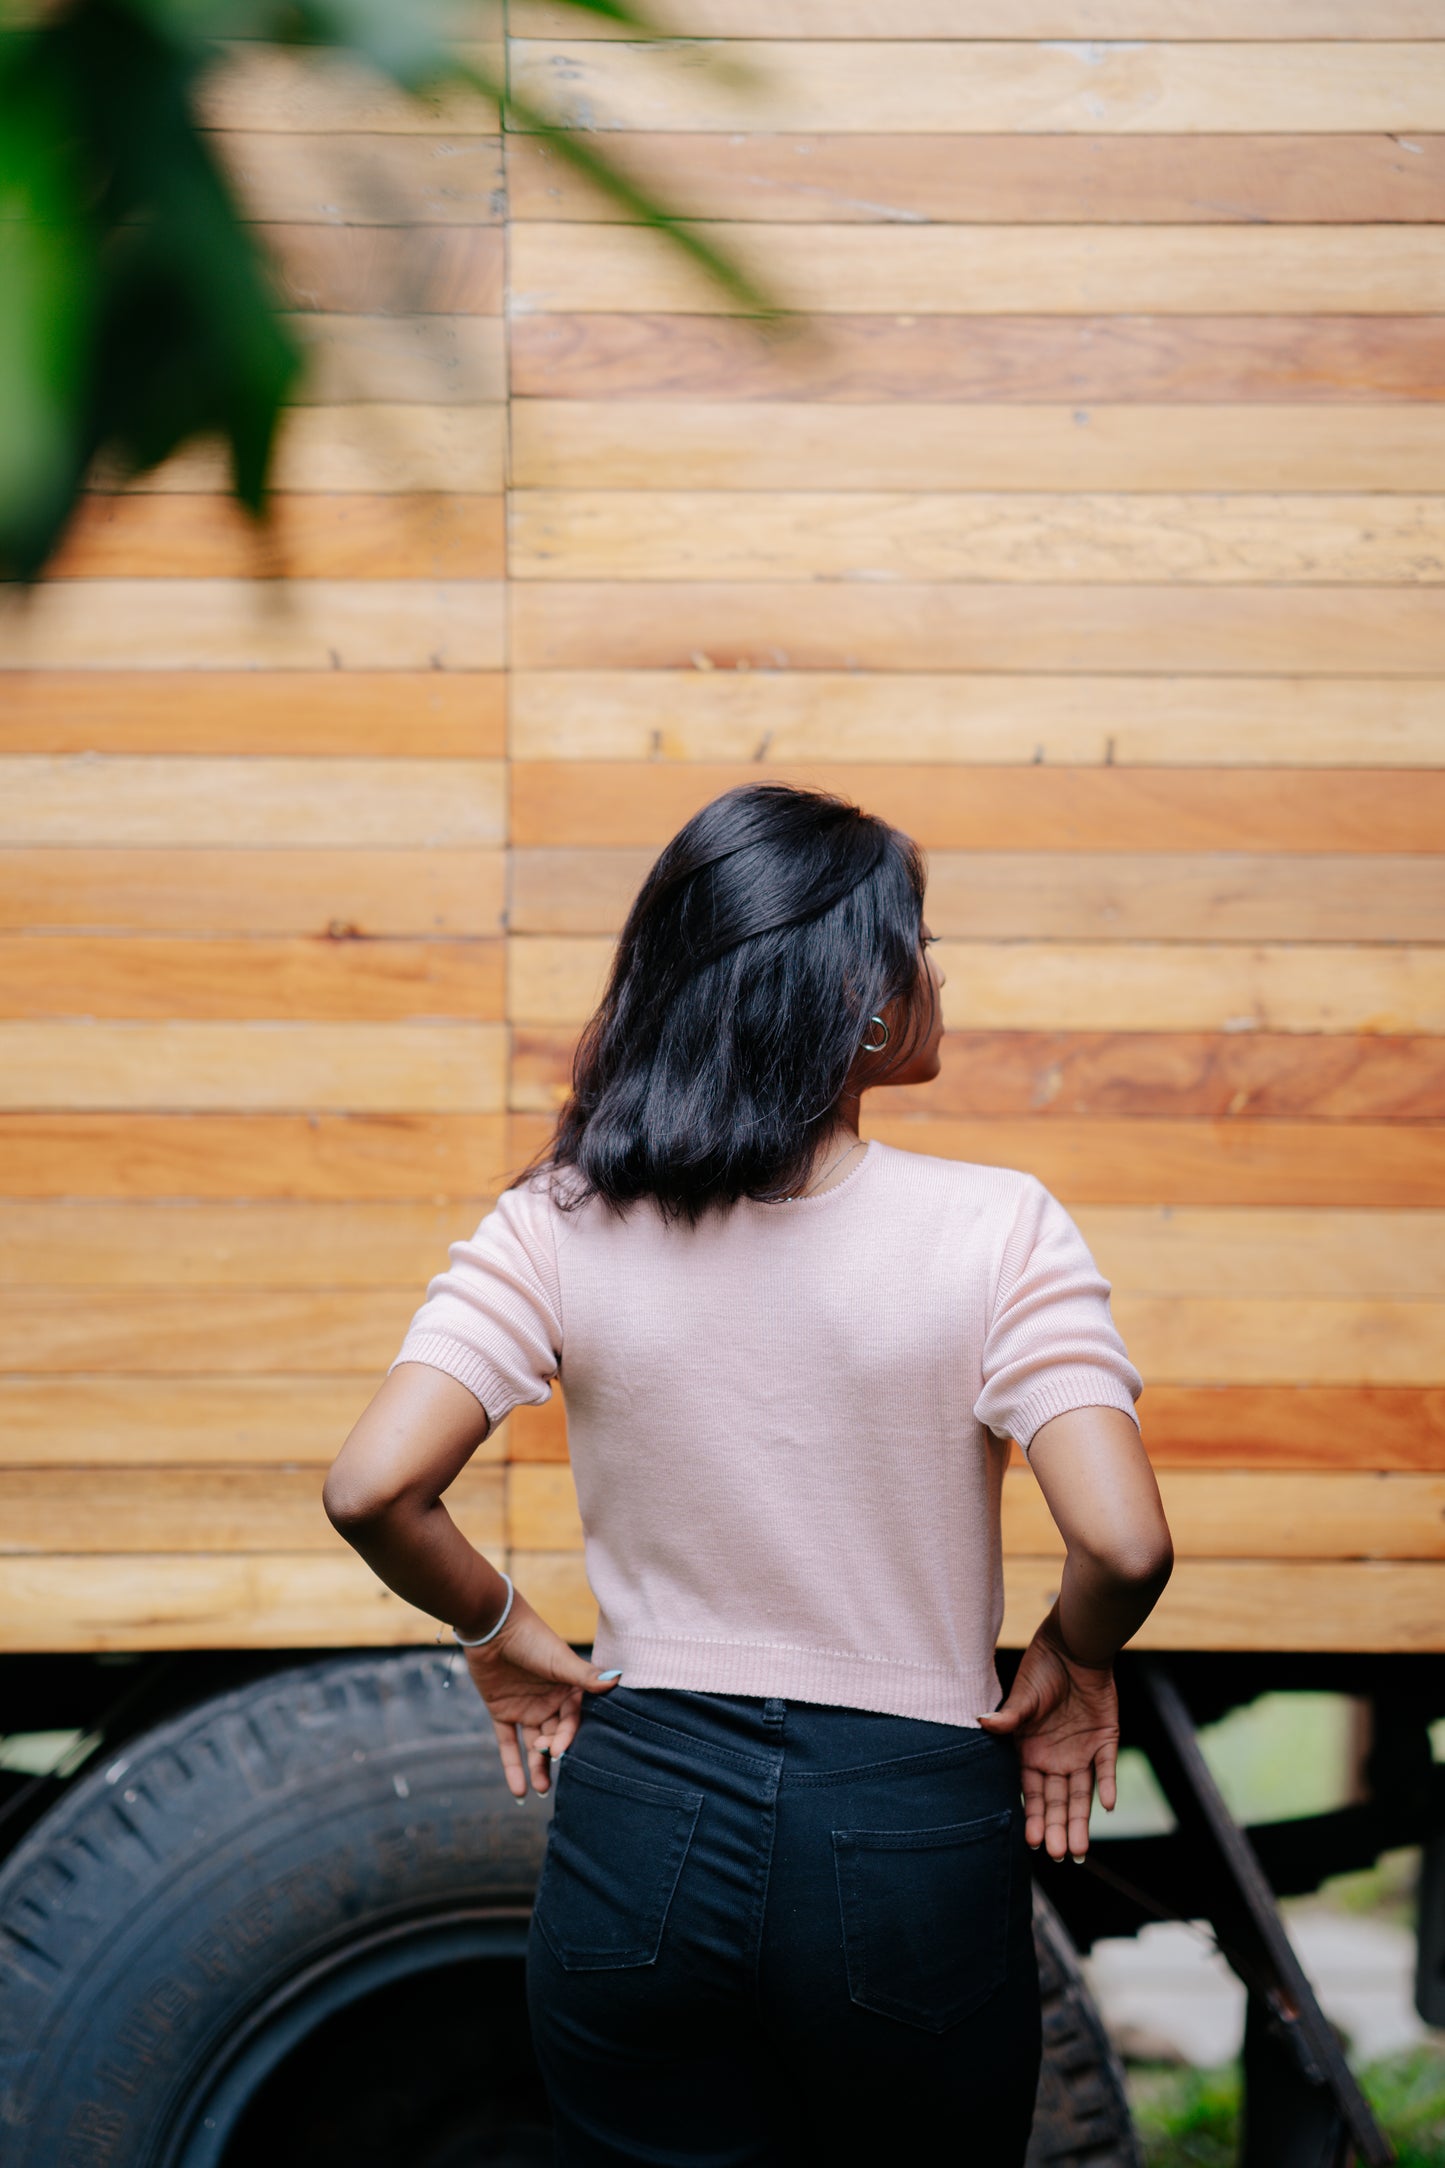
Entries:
{"x":1065,"y":1717}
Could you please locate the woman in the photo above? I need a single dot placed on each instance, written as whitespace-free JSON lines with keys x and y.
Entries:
{"x":784,"y":1913}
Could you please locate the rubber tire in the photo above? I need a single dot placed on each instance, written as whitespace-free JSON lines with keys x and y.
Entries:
{"x":259,"y":1838}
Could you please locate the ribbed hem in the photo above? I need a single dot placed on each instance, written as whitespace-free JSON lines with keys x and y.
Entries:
{"x":878,"y":1683}
{"x":1062,"y":1390}
{"x":465,"y":1365}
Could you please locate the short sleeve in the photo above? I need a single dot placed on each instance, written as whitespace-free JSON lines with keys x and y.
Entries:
{"x":1051,"y":1343}
{"x":493,"y":1319}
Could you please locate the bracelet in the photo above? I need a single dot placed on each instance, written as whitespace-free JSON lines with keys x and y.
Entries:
{"x":483,"y":1639}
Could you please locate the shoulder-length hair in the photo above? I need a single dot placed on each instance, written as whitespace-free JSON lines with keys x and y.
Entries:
{"x":770,"y":930}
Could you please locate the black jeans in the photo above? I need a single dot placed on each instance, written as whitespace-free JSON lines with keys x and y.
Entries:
{"x":771,"y":1932}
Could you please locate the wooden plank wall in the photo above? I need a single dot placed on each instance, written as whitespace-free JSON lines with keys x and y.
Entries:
{"x":1091,"y":528}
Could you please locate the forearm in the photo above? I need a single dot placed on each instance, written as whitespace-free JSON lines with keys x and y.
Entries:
{"x":422,"y":1555}
{"x":1099,"y":1609}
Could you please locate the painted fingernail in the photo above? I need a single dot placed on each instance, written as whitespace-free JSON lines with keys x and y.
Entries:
{"x":558,"y":1752}
{"x":1077,"y":1858}
{"x":609,"y":1674}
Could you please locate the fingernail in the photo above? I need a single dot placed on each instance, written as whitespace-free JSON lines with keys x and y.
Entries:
{"x":609,"y":1674}
{"x":521,"y":1798}
{"x":1077,"y":1858}
{"x":558,"y":1752}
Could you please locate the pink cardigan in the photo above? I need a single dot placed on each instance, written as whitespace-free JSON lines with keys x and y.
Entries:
{"x":789,"y":1424}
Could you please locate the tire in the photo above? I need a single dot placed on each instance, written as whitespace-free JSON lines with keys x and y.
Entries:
{"x":288,"y":1926}
{"x":1082,"y":2119}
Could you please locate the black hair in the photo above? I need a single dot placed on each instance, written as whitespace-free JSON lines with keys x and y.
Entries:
{"x":769,"y":931}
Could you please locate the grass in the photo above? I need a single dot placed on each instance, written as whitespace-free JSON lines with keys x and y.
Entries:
{"x":1190,"y":2118}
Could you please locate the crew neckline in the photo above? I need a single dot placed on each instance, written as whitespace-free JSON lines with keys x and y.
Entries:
{"x":821,"y":1196}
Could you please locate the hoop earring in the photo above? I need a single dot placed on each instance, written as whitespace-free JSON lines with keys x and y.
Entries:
{"x":868,"y":1046}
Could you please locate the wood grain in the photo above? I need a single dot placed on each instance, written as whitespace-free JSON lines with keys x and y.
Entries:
{"x":788,"y":716}
{"x":237,"y":624}
{"x":1320,"y":1426}
{"x":169,"y":1600}
{"x":147,"y":1422}
{"x":369,"y":1068}
{"x":369,"y":447}
{"x":345,"y":179}
{"x":921,"y":625}
{"x":336,"y":977}
{"x":157,"y":800}
{"x":351,"y":1157}
{"x":111,"y":1511}
{"x":203,"y":1331}
{"x":449,"y":270}
{"x":988,"y":535}
{"x":1269,"y":1253}
{"x":400,"y":360}
{"x":1293,"y":1340}
{"x":891,"y":19}
{"x":958,"y":87}
{"x":1013,"y":895}
{"x":1037,"y":808}
{"x":1112,"y":1160}
{"x":988,"y":179}
{"x":173,"y":537}
{"x":1077,"y":986}
{"x":964,"y":271}
{"x":781,"y":444}
{"x":340,"y":893}
{"x":456,"y":714}
{"x":1026,"y":360}
{"x":307,"y":1246}
{"x":1060,"y":1075}
{"x":1359,"y":1606}
{"x":269,"y":90}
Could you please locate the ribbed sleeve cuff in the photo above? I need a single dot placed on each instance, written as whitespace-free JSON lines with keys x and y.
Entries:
{"x":1062,"y":1390}
{"x":497,"y":1394}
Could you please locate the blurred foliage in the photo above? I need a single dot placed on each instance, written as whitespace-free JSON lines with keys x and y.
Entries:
{"x":136,"y":311}
{"x":1190,"y":2118}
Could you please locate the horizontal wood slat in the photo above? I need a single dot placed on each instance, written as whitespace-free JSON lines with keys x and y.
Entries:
{"x":158,"y":800}
{"x":1075,"y":986}
{"x":232,"y":624}
{"x":1011,"y":895}
{"x":891,"y":19}
{"x":360,"y":179}
{"x":325,"y":1157}
{"x":837,"y":715}
{"x":1209,"y":1604}
{"x":1052,"y":1076}
{"x":967,"y":271}
{"x":920,"y":625}
{"x":337,"y":977}
{"x":170,"y":1600}
{"x":993,"y":88}
{"x":129,"y":1332}
{"x":458,"y":361}
{"x":448,"y":891}
{"x":458,"y":714}
{"x":111,"y":1511}
{"x":1035,"y":808}
{"x":308,"y":537}
{"x":1023,"y":360}
{"x":368,"y":447}
{"x":371,"y":1068}
{"x":782,"y":444}
{"x":1017,"y":535}
{"x":448,"y":270}
{"x":988,"y":179}
{"x":145,"y":1422}
{"x":272,"y":90}
{"x":134,"y":1246}
{"x":1218,"y":1514}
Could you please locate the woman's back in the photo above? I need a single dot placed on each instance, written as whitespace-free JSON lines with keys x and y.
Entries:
{"x":788,"y":1421}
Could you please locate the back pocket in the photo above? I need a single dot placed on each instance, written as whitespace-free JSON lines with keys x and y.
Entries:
{"x":614,"y":1853}
{"x":925,"y":1917}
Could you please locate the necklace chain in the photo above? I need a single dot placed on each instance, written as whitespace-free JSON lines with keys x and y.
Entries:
{"x":811,"y":1187}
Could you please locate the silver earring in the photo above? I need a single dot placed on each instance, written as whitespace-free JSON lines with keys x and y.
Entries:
{"x":868,"y":1046}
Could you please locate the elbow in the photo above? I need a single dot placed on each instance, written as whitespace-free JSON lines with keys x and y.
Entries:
{"x":1141,"y":1560}
{"x":357,"y":1505}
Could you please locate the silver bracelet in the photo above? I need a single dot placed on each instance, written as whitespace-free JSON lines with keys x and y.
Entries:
{"x":482,"y":1641}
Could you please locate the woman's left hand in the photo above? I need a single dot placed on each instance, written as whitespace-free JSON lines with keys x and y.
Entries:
{"x":532,"y":1684}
